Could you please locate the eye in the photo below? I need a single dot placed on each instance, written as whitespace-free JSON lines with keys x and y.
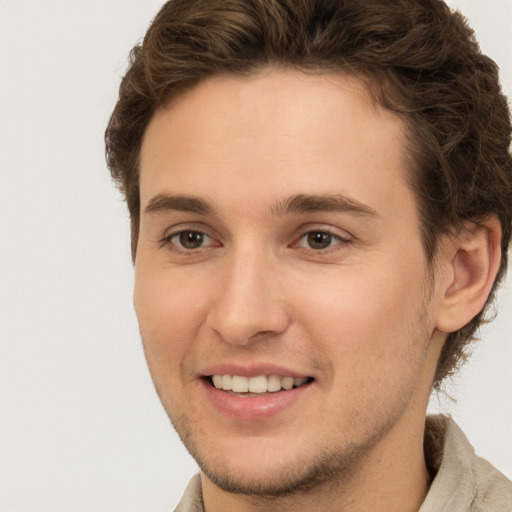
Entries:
{"x":189,"y":240}
{"x":319,"y":240}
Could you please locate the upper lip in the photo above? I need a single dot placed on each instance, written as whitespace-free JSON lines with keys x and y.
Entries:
{"x":251,"y":370}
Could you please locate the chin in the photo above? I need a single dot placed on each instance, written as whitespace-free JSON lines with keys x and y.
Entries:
{"x":267,"y":471}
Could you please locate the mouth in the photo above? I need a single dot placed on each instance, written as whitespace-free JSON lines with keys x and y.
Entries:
{"x":256,"y":386}
{"x":255,"y":394}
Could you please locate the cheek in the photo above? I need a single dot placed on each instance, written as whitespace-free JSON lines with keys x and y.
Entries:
{"x":370,"y":337}
{"x":168,"y":319}
{"x":363,"y":320}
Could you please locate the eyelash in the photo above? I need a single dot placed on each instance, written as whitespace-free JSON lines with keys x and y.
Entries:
{"x":168,"y":240}
{"x":340,"y":241}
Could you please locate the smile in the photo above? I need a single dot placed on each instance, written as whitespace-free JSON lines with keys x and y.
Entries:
{"x":257,"y":398}
{"x":258,"y":384}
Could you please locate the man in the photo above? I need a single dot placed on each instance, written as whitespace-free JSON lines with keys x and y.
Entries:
{"x":320,"y":196}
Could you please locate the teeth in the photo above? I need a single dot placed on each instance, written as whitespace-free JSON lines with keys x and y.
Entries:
{"x":239,"y":384}
{"x":259,"y":384}
{"x":274,"y":383}
{"x":217,"y":381}
{"x":226,"y":382}
{"x":287,"y":383}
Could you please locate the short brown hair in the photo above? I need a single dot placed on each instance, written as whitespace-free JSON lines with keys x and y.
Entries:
{"x":419,"y":58}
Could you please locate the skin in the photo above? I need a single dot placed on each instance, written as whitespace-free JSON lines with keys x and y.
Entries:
{"x":364,"y":317}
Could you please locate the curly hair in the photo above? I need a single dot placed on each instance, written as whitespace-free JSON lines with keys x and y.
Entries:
{"x":419,"y":59}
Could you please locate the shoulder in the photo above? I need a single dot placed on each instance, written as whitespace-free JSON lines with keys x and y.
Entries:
{"x":463,"y":481}
{"x":192,"y":499}
{"x":493,"y":491}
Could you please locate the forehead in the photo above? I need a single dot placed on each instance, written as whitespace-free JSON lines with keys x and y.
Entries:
{"x":281,"y":131}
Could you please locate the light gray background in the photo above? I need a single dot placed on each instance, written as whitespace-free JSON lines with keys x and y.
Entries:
{"x":81,"y":428}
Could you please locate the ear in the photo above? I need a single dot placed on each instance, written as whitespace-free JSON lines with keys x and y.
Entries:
{"x":469,"y":263}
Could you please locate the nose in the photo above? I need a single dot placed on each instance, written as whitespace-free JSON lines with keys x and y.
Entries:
{"x":249,"y":304}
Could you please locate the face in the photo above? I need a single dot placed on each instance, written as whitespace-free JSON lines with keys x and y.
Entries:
{"x":282,"y":290}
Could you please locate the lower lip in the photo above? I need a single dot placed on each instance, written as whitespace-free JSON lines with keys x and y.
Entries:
{"x":254,"y":408}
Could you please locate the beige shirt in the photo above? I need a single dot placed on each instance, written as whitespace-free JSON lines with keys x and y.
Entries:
{"x":463,"y":482}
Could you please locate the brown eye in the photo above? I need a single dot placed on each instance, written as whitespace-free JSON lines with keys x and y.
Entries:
{"x":319,"y":240}
{"x":191,"y":239}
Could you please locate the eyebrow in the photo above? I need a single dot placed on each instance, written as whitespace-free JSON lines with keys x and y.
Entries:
{"x":300,"y":203}
{"x":162,"y":203}
{"x":303,"y":203}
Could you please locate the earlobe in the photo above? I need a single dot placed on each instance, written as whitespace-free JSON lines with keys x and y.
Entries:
{"x":470,"y":269}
